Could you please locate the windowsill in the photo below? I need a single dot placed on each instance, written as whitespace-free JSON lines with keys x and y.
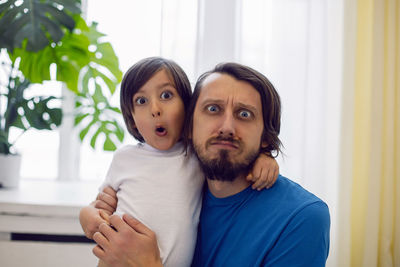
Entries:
{"x":45,"y":206}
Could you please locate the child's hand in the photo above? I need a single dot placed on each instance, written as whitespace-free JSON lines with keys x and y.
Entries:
{"x":90,"y":219}
{"x":104,"y":215}
{"x":264,"y":173}
{"x":107,"y":200}
{"x":98,"y":211}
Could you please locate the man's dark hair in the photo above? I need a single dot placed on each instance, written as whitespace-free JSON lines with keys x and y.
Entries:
{"x":270,"y":100}
{"x":138,"y":75}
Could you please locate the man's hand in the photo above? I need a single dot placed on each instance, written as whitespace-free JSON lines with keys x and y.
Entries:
{"x":130,"y":244}
{"x":264,"y":173}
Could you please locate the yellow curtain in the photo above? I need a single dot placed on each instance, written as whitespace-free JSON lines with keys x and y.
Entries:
{"x":375,"y":170}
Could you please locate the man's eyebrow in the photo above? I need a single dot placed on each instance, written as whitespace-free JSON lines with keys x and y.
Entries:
{"x":238,"y":104}
{"x":212,"y":101}
{"x":247,"y":106}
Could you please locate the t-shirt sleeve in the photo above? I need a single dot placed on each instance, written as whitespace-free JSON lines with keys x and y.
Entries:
{"x":305,"y":240}
{"x":113,"y":172}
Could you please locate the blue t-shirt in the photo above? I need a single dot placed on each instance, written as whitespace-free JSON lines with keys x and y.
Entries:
{"x":282,"y":226}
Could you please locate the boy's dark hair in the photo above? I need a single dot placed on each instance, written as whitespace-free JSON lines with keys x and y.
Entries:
{"x":270,"y":100}
{"x":138,"y":75}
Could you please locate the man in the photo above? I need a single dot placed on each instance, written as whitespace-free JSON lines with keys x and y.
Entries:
{"x":235,"y":114}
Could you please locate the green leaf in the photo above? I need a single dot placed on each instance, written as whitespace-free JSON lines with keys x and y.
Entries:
{"x":56,"y":32}
{"x":119,"y":132}
{"x":98,"y":96}
{"x":88,"y":74}
{"x":4,"y":144}
{"x":51,"y":28}
{"x":35,"y":120}
{"x":84,"y":132}
{"x":109,"y":145}
{"x":110,"y":84}
{"x":108,"y":59}
{"x":79,"y":118}
{"x":71,"y":5}
{"x":115,"y":109}
{"x":36,"y":38}
{"x":18,"y":24}
{"x":34,"y":20}
{"x":80,"y":23}
{"x":93,"y":34}
{"x":70,"y":56}
{"x":7,"y":17}
{"x":18,"y":123}
{"x":94,"y":137}
{"x":58,"y":16}
{"x":15,"y":100}
{"x":5,"y":6}
{"x":68,"y":73}
{"x":35,"y":66}
{"x":55,"y":116}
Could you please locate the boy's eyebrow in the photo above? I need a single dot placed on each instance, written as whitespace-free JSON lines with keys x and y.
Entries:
{"x":166,"y":84}
{"x":158,"y":87}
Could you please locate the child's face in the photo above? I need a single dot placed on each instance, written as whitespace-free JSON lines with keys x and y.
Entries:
{"x":159,"y":111}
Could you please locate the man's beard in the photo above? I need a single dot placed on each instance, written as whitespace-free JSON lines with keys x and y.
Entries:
{"x":221,"y":168}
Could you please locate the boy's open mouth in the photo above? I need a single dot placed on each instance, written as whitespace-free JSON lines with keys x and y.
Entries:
{"x":161,"y":131}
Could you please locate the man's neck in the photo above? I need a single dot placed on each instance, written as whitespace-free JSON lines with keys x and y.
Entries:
{"x":222,"y":189}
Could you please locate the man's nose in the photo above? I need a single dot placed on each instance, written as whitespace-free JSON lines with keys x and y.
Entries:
{"x":227,"y":127}
{"x":155,"y":109}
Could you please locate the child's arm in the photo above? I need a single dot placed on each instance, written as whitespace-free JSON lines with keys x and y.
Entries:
{"x":264,"y":173}
{"x":98,"y":211}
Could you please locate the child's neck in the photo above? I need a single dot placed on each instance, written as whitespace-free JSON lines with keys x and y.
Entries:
{"x":151,"y":148}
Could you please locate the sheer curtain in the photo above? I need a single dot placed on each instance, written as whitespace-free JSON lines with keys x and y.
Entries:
{"x":297,"y":45}
{"x":370,"y":203}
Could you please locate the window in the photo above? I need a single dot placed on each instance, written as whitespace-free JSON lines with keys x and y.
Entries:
{"x":136,"y":29}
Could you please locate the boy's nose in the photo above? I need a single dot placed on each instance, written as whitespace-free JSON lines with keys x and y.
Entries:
{"x":155,"y":110}
{"x":156,"y":114}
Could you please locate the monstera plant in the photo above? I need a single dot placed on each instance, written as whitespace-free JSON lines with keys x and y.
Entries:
{"x":40,"y":35}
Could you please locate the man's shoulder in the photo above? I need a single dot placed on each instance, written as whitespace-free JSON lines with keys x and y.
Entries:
{"x":292,"y":197}
{"x":294,"y":191}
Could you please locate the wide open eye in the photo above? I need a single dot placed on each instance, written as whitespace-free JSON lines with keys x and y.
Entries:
{"x":166,"y":95}
{"x":213,"y":108}
{"x":141,"y":100}
{"x":245,"y":114}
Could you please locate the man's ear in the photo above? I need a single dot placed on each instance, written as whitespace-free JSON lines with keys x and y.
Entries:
{"x":264,"y":144}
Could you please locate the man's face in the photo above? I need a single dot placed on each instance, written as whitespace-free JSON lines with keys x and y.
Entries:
{"x":227,"y":127}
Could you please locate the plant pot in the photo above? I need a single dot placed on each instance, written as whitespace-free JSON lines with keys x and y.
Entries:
{"x":10,"y":166}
